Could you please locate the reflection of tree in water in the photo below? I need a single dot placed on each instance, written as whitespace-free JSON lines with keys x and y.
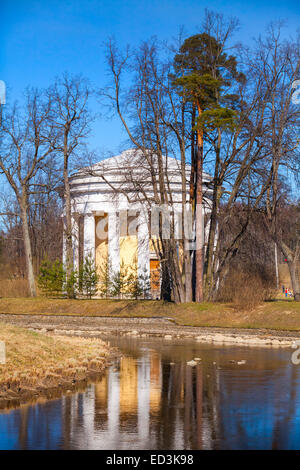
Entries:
{"x":148,"y":402}
{"x":188,"y":394}
{"x":171,"y":395}
{"x":23,"y":428}
{"x":260,"y":406}
{"x":283,"y":428}
{"x":36,"y":426}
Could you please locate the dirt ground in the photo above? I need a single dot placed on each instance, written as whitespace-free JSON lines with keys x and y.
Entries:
{"x":280,"y":314}
{"x":161,"y":327}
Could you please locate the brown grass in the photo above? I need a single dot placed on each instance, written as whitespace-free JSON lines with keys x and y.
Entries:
{"x":277,"y":315}
{"x":95,"y":307}
{"x":14,"y":288}
{"x":246,"y":290}
{"x":36,"y":363}
{"x":281,"y":314}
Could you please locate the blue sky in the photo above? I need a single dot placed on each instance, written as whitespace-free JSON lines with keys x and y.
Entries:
{"x":42,"y":39}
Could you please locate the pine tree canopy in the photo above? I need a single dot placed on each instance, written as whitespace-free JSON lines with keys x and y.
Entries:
{"x":203,"y":54}
{"x":203,"y":73}
{"x":200,"y":87}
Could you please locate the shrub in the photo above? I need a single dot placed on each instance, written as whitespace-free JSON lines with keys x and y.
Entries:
{"x":246,"y":290}
{"x":105,"y":283}
{"x":88,"y":277}
{"x":119,"y":281}
{"x":52,"y":277}
{"x":70,"y":285}
{"x":139,"y":285}
{"x":135,"y":289}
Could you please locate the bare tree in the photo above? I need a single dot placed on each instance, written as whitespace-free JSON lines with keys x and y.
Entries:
{"x":234,"y":138}
{"x":71,"y":120}
{"x":227,"y":114}
{"x":241,"y":157}
{"x":205,"y":72}
{"x":154,"y":117}
{"x":278,"y":64}
{"x":287,"y":237}
{"x":26,"y":145}
{"x":162,"y":127}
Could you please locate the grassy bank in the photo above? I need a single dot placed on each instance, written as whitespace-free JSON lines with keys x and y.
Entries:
{"x":39,"y":365}
{"x":279,"y":314}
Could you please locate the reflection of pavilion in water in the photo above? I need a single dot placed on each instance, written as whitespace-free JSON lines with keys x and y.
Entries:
{"x":125,"y":398}
{"x":143,"y":404}
{"x":148,"y":403}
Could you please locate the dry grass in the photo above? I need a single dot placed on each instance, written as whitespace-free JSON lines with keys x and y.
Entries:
{"x":96,"y":307}
{"x":36,"y":363}
{"x":246,"y":290}
{"x":281,"y":314}
{"x":276,"y":315}
{"x":13,"y":288}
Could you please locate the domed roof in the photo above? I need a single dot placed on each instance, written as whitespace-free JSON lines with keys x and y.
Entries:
{"x":130,"y":170}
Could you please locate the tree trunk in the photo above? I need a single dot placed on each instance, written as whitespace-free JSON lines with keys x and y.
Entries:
{"x":199,"y":216}
{"x":276,"y":265}
{"x":165,"y":289}
{"x":177,"y":284}
{"x":68,"y":226}
{"x":210,"y":254}
{"x":292,"y":262}
{"x":192,"y":175}
{"x":188,"y":276}
{"x":27,"y":245}
{"x":294,"y":279}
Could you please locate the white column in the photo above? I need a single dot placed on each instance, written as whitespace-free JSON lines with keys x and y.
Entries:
{"x":143,"y":246}
{"x":114,"y":241}
{"x":89,"y":235}
{"x":75,"y":240}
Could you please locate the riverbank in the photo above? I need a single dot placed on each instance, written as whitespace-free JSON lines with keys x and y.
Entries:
{"x":39,"y":365}
{"x":283,"y":315}
{"x":165,"y":328}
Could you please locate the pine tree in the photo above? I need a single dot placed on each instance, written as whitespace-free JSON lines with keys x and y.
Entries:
{"x":134,"y":285}
{"x":138,"y":285}
{"x":144,"y":280}
{"x":202,"y":71}
{"x":71,"y":284}
{"x":105,"y":282}
{"x":58,"y":277}
{"x":44,"y":279}
{"x":89,"y":278}
{"x":52,"y":277}
{"x":120,"y":281}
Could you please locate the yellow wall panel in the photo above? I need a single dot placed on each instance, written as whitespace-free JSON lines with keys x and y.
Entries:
{"x":129,"y":252}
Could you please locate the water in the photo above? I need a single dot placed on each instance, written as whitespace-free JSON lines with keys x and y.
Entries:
{"x":151,"y":399}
